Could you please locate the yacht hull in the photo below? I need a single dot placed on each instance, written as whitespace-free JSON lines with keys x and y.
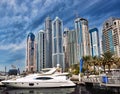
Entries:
{"x":39,"y":84}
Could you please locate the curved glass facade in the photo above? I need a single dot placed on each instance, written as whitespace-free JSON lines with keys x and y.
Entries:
{"x":31,"y":36}
{"x":95,"y":46}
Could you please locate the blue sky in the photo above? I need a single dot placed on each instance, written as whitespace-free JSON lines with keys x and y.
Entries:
{"x":19,"y":17}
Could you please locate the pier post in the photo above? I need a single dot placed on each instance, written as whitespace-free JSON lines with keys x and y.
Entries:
{"x":79,"y":77}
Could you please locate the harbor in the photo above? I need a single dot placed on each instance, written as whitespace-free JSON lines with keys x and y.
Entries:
{"x":87,"y":84}
{"x":56,"y":78}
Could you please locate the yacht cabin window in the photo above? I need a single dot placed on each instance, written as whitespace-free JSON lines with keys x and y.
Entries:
{"x":44,"y":78}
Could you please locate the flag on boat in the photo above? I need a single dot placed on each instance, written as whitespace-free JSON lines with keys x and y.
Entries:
{"x":81,"y":64}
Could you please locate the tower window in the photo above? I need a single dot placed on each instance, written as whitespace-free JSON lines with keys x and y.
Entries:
{"x":107,"y":25}
{"x":114,"y":23}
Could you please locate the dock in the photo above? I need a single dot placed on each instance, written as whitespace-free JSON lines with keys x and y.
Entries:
{"x":79,"y":82}
{"x":108,"y":82}
{"x":1,"y":85}
{"x":110,"y":85}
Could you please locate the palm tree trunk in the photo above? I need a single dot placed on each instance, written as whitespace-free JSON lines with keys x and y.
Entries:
{"x":87,"y":68}
{"x":87,"y":72}
{"x":94,"y":68}
{"x":104,"y":68}
{"x":109,"y":67}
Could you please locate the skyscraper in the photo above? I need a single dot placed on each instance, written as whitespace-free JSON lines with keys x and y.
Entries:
{"x":48,"y":42}
{"x":69,"y":47}
{"x":95,"y":43}
{"x":57,"y":42}
{"x":31,"y":53}
{"x":82,"y":37}
{"x":111,"y":36}
{"x":41,"y":51}
{"x":65,"y":47}
{"x":72,"y":47}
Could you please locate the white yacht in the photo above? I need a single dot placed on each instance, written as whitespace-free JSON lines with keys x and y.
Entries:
{"x":48,"y":79}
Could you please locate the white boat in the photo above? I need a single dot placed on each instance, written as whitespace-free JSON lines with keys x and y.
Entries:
{"x":48,"y":79}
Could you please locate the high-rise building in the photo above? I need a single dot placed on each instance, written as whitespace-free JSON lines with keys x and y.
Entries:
{"x":82,"y":37}
{"x":95,"y":43}
{"x":31,"y":53}
{"x":101,"y":47}
{"x":65,"y":47}
{"x":41,"y":51}
{"x":48,"y":41}
{"x":69,"y":47}
{"x":111,"y":36}
{"x":72,"y":47}
{"x":57,"y":43}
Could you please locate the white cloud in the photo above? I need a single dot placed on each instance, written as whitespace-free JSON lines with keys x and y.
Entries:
{"x":17,"y":17}
{"x":13,"y":47}
{"x":19,"y":64}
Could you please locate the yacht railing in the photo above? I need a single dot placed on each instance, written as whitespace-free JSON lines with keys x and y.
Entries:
{"x":112,"y":77}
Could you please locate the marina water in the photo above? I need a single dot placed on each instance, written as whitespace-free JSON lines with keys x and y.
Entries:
{"x":76,"y":90}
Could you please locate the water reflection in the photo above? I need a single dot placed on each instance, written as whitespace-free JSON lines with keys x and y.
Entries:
{"x":77,"y":90}
{"x":39,"y":91}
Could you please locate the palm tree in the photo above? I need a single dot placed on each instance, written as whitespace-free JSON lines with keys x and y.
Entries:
{"x":95,"y":61}
{"x":117,"y":62}
{"x":87,"y":61}
{"x":75,"y":69}
{"x":100,"y":61}
{"x":107,"y":59}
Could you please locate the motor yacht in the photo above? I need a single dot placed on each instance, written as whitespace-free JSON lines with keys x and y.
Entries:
{"x":48,"y":79}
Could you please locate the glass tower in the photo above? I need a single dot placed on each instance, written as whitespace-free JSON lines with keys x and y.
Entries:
{"x":41,"y":50}
{"x":82,"y":37}
{"x":95,"y":46}
{"x":57,"y":42}
{"x":48,"y":41}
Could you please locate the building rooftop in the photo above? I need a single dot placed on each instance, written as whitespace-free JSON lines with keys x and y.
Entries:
{"x":31,"y":36}
{"x":80,"y":19}
{"x":48,"y":18}
{"x":110,"y":20}
{"x":93,"y":30}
